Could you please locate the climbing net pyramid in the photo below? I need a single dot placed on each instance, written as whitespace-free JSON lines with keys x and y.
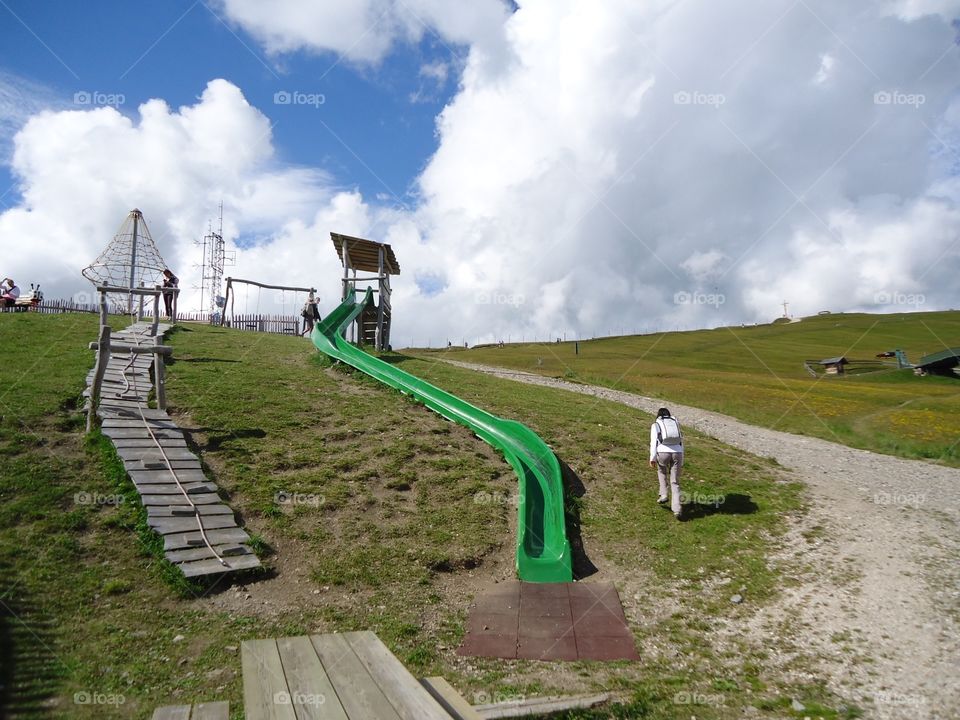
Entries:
{"x":130,"y":260}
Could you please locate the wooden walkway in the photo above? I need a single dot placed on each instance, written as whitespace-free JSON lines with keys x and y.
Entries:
{"x":341,"y":676}
{"x":200,"y":533}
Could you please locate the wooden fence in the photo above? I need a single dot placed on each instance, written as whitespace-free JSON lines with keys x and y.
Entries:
{"x":283,"y":324}
{"x":280,"y":324}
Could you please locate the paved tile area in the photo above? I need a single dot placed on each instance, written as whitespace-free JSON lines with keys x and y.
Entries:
{"x":549,"y":621}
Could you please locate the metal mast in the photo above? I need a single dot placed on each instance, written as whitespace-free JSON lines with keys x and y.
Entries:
{"x":215,"y":258}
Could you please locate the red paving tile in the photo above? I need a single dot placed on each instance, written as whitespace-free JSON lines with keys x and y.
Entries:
{"x":489,"y":645}
{"x":549,"y":621}
{"x":498,"y":623}
{"x":598,"y":647}
{"x":564,"y":648}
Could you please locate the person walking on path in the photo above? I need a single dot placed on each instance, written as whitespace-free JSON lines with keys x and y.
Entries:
{"x":666,"y":455}
{"x":169,"y":281}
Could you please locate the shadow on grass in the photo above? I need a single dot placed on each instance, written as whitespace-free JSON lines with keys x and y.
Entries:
{"x":573,"y":491}
{"x":173,"y":360}
{"x":732,"y":504}
{"x":214,"y":442}
{"x":29,"y":671}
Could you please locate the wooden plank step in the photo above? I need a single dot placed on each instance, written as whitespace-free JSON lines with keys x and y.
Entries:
{"x":148,"y":465}
{"x":263,"y":681}
{"x":114,"y":432}
{"x":146,"y":442}
{"x":307,"y":680}
{"x":152,"y":453}
{"x":161,"y":511}
{"x":172,"y":712}
{"x":132,"y":413}
{"x":118,"y":422}
{"x":450,"y":700}
{"x":203,"y":552}
{"x":199,"y":499}
{"x":171,"y":525}
{"x":172,"y":488}
{"x":200,"y":711}
{"x":211,"y":711}
{"x":163,"y":476}
{"x":408,"y":697}
{"x":213,"y":566}
{"x":182,"y":541}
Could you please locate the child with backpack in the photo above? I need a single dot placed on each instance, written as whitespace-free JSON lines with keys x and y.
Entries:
{"x":666,"y":455}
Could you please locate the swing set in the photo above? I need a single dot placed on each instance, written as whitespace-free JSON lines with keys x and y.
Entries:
{"x":285,"y":324}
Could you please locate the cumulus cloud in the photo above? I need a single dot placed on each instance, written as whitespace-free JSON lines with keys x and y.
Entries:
{"x":364,"y":31}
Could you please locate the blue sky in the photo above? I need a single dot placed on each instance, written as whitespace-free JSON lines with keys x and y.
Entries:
{"x":374,"y":130}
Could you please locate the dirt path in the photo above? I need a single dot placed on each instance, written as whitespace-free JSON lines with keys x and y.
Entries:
{"x":872,"y":572}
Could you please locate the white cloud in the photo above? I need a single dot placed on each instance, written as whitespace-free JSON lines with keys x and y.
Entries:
{"x":364,"y":31}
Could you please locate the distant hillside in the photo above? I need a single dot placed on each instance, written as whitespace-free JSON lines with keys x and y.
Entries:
{"x":757,"y":374}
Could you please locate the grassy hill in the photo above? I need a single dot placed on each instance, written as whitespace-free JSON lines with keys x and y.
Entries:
{"x":756,"y":374}
{"x":370,"y":512}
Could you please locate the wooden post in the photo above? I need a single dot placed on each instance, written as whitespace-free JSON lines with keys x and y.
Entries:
{"x":155,"y":328}
{"x":378,"y":341}
{"x":140,"y":306}
{"x":159,"y":377}
{"x":103,"y":306}
{"x":103,"y":357}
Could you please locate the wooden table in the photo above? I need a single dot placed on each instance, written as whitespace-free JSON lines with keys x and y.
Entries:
{"x":341,"y":676}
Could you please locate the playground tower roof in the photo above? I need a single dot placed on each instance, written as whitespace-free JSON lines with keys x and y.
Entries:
{"x":365,"y":254}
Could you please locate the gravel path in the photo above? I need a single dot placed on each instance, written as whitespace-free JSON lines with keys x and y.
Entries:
{"x":878,"y":602}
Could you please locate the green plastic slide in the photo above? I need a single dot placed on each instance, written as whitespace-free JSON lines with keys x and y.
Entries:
{"x":543,"y":551}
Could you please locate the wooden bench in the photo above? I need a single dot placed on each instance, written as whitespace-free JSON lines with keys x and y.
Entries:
{"x":340,"y":676}
{"x":201,"y":711}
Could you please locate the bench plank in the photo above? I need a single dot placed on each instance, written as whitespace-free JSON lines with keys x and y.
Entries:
{"x":408,"y":697}
{"x":450,"y":700}
{"x":308,"y":682}
{"x":264,"y":682}
{"x":358,"y":692}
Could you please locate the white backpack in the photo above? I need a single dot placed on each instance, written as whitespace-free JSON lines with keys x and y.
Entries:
{"x":669,"y":431}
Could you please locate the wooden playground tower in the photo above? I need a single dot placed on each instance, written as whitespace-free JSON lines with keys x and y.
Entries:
{"x":373,"y":324}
